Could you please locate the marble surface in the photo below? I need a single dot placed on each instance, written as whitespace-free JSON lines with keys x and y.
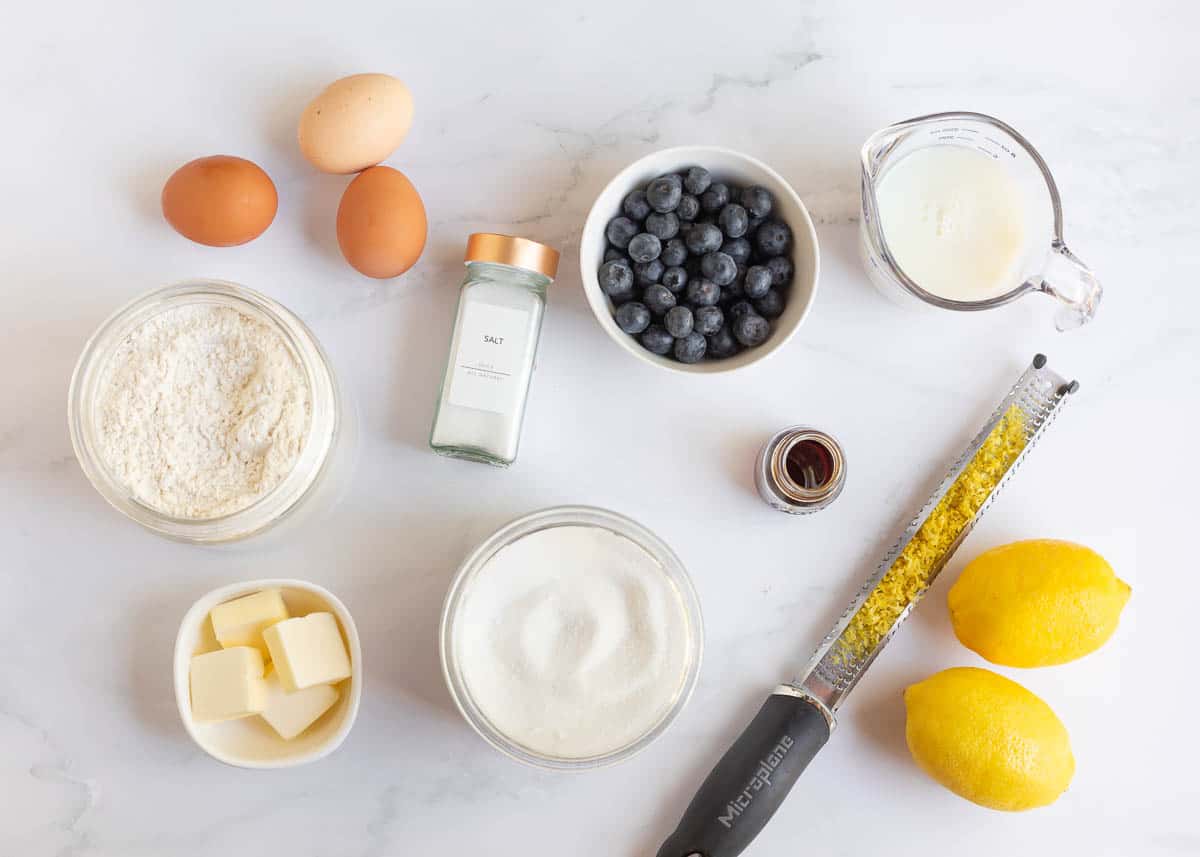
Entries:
{"x":523,"y":113}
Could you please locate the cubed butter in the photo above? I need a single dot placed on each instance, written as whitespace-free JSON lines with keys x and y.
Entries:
{"x":291,"y":713}
{"x":228,"y":684}
{"x":308,"y":650}
{"x":241,"y":622}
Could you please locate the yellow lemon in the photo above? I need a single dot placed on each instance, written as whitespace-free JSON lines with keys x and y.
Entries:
{"x":1036,"y":603}
{"x":988,"y":739}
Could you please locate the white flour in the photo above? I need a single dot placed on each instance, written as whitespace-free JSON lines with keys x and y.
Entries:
{"x":573,"y":642}
{"x":201,"y":411}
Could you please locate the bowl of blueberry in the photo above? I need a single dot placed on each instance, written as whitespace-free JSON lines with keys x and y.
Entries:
{"x":699,"y":259}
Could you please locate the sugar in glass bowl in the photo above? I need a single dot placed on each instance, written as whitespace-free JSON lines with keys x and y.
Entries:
{"x":458,"y":635}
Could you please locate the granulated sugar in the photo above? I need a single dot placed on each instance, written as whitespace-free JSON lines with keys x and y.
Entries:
{"x":573,"y":642}
{"x":201,"y":411}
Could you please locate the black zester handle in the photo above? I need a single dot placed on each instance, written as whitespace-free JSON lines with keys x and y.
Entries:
{"x":750,"y":782}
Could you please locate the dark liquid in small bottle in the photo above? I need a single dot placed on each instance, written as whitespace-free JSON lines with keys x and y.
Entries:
{"x":809,"y":464}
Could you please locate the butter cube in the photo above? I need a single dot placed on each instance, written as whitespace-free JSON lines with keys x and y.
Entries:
{"x":307,"y":651}
{"x":241,"y":622}
{"x":291,"y":713}
{"x":228,"y":684}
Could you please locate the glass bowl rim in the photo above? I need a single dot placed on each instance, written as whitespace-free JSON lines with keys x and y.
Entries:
{"x":556,"y":516}
{"x":280,"y":501}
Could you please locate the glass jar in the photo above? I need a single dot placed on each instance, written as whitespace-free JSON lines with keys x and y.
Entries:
{"x":800,"y":470}
{"x":321,"y":468}
{"x":500,"y":307}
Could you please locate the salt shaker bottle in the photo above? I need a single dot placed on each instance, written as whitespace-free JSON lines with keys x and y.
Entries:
{"x":501,"y":303}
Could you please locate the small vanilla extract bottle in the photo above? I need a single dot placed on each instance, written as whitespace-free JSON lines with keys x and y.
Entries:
{"x":800,"y":470}
{"x":500,"y":306}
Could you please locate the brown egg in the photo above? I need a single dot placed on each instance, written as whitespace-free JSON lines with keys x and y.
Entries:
{"x":381,"y":223}
{"x":220,"y":201}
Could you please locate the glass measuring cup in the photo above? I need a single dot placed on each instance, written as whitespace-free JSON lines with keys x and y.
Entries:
{"x":1046,"y":264}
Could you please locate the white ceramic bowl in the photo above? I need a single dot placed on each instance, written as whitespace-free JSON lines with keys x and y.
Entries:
{"x":725,"y":165}
{"x":249,"y":742}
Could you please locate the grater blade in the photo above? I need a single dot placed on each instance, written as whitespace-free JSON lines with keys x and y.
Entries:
{"x":845,"y":653}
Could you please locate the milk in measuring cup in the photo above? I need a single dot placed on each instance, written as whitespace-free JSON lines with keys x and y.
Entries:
{"x":955,"y":222}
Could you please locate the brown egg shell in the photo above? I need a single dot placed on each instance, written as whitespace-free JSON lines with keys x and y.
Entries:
{"x":220,"y":201}
{"x":381,"y":223}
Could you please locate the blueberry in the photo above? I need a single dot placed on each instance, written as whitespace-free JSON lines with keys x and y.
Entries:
{"x":635,"y":205}
{"x":612,"y":254}
{"x":691,"y":348}
{"x":648,"y":273}
{"x":644,"y":247}
{"x":678,"y":321}
{"x":703,"y":238}
{"x":751,"y":329}
{"x":674,"y":279}
{"x":772,"y":238}
{"x":663,"y":226}
{"x":706,"y":319}
{"x":620,"y":230}
{"x":758,"y":201}
{"x":715,"y":198}
{"x":739,"y":309}
{"x":722,"y":343}
{"x":664,"y":193}
{"x":632,"y":317}
{"x":658,"y":299}
{"x":733,"y":220}
{"x":755,"y":222}
{"x":781,"y":270}
{"x":719,"y":268}
{"x":701,"y":292}
{"x":770,"y":305}
{"x":697,"y":180}
{"x":616,"y":280}
{"x":674,"y":253}
{"x":656,"y":339}
{"x":688,"y":208}
{"x":758,"y":282}
{"x":737,"y":249}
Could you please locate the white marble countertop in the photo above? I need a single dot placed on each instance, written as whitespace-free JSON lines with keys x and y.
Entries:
{"x":523,"y":113}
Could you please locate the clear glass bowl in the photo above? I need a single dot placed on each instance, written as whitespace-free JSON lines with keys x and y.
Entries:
{"x":312,"y":468}
{"x":559,"y":516}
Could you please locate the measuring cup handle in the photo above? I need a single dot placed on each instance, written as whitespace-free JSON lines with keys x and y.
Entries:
{"x":1073,"y":284}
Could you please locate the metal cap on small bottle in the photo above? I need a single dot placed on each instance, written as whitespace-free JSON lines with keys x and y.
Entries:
{"x":511,"y":250}
{"x":800,"y":470}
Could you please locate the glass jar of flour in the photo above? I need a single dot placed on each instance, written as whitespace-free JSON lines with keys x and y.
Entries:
{"x":208,"y":413}
{"x":482,"y":401}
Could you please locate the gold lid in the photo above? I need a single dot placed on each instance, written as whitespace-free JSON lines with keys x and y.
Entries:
{"x":510,"y":250}
{"x":816,"y":478}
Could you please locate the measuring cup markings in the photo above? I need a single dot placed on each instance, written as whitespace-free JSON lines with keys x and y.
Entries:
{"x":1043,"y":263}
